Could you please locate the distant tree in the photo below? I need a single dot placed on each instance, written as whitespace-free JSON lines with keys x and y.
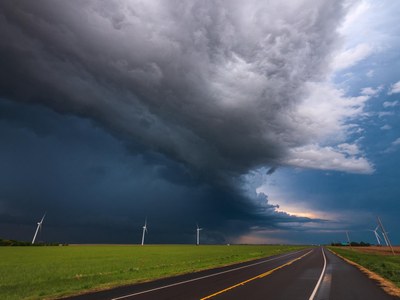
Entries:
{"x":4,"y":242}
{"x":336,"y":244}
{"x":13,"y":243}
{"x":353,"y":244}
{"x":360,"y":244}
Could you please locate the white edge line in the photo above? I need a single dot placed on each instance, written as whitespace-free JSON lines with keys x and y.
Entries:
{"x":206,"y":276}
{"x":320,"y":277}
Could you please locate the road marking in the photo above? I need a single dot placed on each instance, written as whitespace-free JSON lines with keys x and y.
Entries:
{"x":320,"y":277}
{"x":206,"y":276}
{"x":256,"y":277}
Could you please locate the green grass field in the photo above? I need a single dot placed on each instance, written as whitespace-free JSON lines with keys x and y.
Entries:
{"x":388,"y":266}
{"x":48,"y":272}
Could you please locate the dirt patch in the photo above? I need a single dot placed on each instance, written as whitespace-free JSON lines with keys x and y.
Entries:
{"x":376,"y":250}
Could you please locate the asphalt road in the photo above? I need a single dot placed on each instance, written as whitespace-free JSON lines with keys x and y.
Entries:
{"x":310,"y":274}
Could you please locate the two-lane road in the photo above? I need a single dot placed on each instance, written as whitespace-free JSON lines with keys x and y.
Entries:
{"x":308,"y":274}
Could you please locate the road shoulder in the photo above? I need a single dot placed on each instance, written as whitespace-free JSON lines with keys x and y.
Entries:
{"x":388,"y":286}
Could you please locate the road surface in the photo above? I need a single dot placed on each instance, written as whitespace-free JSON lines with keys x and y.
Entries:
{"x":309,"y":274}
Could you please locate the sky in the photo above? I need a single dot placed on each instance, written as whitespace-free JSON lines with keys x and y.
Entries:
{"x":260,"y":121}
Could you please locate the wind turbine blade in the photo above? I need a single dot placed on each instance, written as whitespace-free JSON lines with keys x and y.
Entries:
{"x":378,"y":238}
{"x":41,"y":221}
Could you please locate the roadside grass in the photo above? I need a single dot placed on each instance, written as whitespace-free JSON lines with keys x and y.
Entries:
{"x":49,"y":272}
{"x":386,"y":266}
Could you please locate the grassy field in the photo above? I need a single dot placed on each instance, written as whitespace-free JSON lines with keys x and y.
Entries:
{"x":374,"y":259}
{"x":48,"y":272}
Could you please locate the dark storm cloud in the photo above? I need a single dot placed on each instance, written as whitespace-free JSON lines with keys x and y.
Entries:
{"x":206,"y":83}
{"x":198,"y":92}
{"x":95,"y":191}
{"x":272,"y":170}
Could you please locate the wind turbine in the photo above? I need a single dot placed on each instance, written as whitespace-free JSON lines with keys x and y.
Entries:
{"x":144,"y":230}
{"x":378,"y":238}
{"x":38,"y":228}
{"x":385,"y":236}
{"x":198,"y":234}
{"x":348,"y":238}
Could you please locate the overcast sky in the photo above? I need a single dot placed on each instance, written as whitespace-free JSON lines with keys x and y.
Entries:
{"x":262,"y":121}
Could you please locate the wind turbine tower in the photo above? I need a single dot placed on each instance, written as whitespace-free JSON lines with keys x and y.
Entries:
{"x":198,"y":234}
{"x":348,"y":239}
{"x":385,"y":236}
{"x":144,"y":231}
{"x":386,"y":241}
{"x":39,"y":227}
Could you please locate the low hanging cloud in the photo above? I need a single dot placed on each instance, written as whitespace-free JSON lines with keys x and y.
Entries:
{"x":328,"y":123}
{"x":328,"y":158}
{"x":394,"y":88}
{"x":388,"y":104}
{"x":393,"y":146}
{"x":370,"y":91}
{"x":352,"y":56}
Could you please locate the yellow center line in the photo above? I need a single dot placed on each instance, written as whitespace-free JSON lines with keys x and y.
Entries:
{"x":256,"y":277}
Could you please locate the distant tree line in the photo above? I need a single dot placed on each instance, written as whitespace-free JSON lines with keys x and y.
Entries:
{"x":22,"y":243}
{"x":353,"y":244}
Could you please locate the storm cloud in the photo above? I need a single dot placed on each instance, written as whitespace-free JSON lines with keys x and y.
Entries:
{"x":197,"y":93}
{"x":211,"y":84}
